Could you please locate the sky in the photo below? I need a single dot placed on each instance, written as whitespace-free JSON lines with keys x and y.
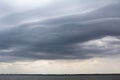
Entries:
{"x":59,"y":36}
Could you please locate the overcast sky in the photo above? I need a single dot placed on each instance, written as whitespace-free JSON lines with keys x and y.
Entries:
{"x":59,"y":36}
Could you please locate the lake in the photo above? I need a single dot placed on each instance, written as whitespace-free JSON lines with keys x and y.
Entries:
{"x":59,"y":77}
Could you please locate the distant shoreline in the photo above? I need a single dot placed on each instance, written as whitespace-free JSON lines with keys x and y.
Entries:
{"x":57,"y":74}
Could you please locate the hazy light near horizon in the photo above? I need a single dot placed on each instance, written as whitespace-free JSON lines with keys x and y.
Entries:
{"x":96,"y":65}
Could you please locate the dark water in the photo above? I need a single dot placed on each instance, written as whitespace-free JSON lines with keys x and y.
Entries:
{"x":59,"y":77}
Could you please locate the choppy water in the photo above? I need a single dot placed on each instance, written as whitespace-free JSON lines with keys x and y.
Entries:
{"x":67,"y":77}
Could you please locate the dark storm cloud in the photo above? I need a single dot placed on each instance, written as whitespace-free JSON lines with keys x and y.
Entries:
{"x":58,"y":37}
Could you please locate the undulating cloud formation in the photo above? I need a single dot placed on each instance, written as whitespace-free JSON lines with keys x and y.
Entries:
{"x":33,"y":30}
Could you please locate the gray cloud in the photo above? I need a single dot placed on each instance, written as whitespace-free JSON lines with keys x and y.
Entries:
{"x":58,"y":37}
{"x":56,"y":8}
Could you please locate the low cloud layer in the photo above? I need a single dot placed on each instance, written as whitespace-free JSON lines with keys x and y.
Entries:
{"x":61,"y":34}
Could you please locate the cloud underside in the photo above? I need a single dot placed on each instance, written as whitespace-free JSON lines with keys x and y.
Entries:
{"x":77,"y":36}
